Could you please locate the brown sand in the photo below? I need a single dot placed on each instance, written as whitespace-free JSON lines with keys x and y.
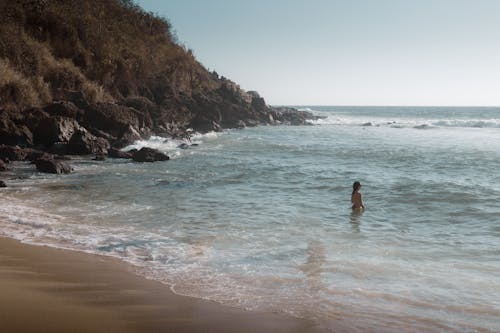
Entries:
{"x":44,"y":289}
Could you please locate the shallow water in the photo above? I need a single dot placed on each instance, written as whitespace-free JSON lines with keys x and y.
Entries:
{"x":260,"y":218}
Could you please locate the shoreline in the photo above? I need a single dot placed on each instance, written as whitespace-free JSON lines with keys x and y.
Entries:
{"x":54,"y":290}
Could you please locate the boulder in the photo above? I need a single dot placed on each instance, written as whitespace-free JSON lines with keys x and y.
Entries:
{"x":2,"y":184}
{"x":149,"y":155}
{"x":55,"y":129}
{"x":112,"y":118}
{"x":116,"y":153}
{"x":129,"y":136}
{"x":84,"y":143}
{"x":12,"y":133}
{"x":12,"y":153}
{"x":99,"y":157}
{"x":125,"y":124}
{"x":50,"y":165}
{"x":33,"y":154}
{"x":3,"y":166}
{"x":291,"y":116}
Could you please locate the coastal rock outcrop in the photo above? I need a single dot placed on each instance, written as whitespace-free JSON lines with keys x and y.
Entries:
{"x":69,"y":92}
{"x":149,"y":155}
{"x":12,"y":133}
{"x":84,"y":143}
{"x":56,"y":129}
{"x":114,"y":119}
{"x":51,"y":165}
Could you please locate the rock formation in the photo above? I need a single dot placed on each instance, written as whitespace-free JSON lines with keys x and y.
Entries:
{"x":52,"y":165}
{"x":149,"y":155}
{"x":82,"y":76}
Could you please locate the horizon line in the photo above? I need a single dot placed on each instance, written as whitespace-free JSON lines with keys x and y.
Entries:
{"x":390,"y":105}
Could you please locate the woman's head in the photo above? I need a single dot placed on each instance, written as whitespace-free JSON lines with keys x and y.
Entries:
{"x":355,"y":187}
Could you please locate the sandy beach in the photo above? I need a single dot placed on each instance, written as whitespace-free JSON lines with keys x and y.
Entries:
{"x":51,"y":290}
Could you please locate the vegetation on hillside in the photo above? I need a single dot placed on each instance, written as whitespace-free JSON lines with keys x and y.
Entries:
{"x":95,"y":73}
{"x":108,"y":49}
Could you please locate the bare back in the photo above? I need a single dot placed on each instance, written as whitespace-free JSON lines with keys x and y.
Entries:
{"x":357,"y":201}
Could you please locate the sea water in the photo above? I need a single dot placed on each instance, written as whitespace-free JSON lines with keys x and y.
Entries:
{"x":260,"y":218}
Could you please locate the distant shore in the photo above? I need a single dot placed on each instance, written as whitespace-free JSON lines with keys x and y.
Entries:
{"x":51,"y":290}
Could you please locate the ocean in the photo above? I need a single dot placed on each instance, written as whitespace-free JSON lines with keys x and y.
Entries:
{"x":260,"y":218}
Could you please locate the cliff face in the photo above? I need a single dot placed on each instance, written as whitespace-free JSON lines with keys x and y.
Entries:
{"x":108,"y":69}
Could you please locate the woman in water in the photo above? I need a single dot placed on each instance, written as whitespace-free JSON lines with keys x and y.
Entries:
{"x":356,"y":200}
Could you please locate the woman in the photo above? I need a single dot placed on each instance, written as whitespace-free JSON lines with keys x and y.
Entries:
{"x":356,"y":200}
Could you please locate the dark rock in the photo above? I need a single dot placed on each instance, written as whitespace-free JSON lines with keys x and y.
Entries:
{"x":116,"y":153}
{"x":129,"y":136}
{"x":12,"y":153}
{"x":99,"y":157}
{"x":45,"y":156}
{"x":84,"y":143}
{"x":59,"y":148}
{"x":63,"y":109}
{"x":259,"y":104}
{"x":2,"y":184}
{"x":3,"y":166}
{"x":149,"y":155}
{"x":78,"y":98}
{"x":114,"y":119}
{"x":49,"y":165}
{"x":183,"y":146}
{"x":12,"y":133}
{"x":291,"y":116}
{"x":34,"y":154}
{"x":55,"y":129}
{"x":204,"y":125}
{"x":33,"y":117}
{"x":142,"y":104}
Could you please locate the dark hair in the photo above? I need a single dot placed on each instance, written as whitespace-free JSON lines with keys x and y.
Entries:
{"x":355,"y":187}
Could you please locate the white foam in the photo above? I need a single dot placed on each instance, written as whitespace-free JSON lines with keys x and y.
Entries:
{"x":156,"y":142}
{"x":343,"y":120}
{"x":172,"y":147}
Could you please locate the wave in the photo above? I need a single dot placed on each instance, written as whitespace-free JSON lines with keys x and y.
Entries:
{"x":172,"y":147}
{"x":343,"y":120}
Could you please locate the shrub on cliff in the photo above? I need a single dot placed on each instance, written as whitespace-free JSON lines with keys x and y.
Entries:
{"x":16,"y":90}
{"x":109,"y":49}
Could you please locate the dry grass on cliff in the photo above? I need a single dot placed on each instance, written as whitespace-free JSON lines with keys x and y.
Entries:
{"x":18,"y":91}
{"x":30,"y":75}
{"x":109,"y":49}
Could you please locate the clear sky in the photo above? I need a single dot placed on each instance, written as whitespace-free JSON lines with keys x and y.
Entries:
{"x":349,"y":52}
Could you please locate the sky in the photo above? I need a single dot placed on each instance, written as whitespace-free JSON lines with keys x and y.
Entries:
{"x":350,"y":52}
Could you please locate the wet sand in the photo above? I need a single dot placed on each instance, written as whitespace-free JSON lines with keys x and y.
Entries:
{"x":51,"y":290}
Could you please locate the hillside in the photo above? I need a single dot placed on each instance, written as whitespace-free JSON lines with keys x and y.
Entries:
{"x":111,"y":71}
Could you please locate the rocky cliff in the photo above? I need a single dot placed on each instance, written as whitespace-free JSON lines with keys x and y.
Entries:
{"x":81,"y":76}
